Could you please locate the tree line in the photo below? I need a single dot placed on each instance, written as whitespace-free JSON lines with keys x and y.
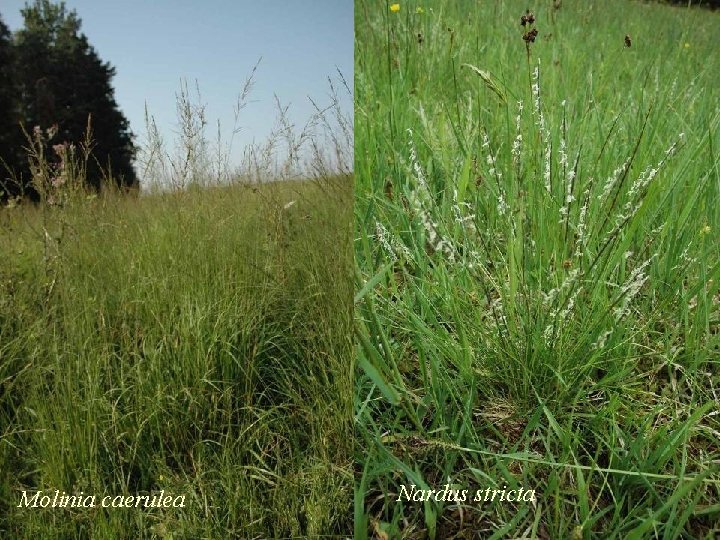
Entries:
{"x":54,"y":90}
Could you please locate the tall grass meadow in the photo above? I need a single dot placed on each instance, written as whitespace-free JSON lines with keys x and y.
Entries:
{"x":191,"y":341}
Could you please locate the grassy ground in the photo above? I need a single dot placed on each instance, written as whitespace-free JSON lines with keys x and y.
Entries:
{"x":196,"y":342}
{"x":537,"y":270}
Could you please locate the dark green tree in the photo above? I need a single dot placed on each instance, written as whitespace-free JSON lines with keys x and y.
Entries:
{"x":62,"y":81}
{"x":10,"y":141}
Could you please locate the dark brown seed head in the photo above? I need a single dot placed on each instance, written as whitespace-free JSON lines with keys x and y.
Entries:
{"x":628,"y":41}
{"x":419,"y":38}
{"x":530,"y":36}
{"x":523,"y":20}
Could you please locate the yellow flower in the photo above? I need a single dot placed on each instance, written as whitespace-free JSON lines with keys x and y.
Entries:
{"x":687,"y":45}
{"x":394,"y":8}
{"x":705,"y":230}
{"x":419,"y":10}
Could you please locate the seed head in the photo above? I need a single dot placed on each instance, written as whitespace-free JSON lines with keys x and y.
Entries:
{"x":528,"y":18}
{"x":527,"y":21}
{"x":530,"y":36}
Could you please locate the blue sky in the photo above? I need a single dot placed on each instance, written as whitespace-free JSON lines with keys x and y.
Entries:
{"x":154,"y":43}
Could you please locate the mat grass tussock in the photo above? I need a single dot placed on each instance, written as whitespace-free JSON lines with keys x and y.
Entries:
{"x":538,"y":270}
